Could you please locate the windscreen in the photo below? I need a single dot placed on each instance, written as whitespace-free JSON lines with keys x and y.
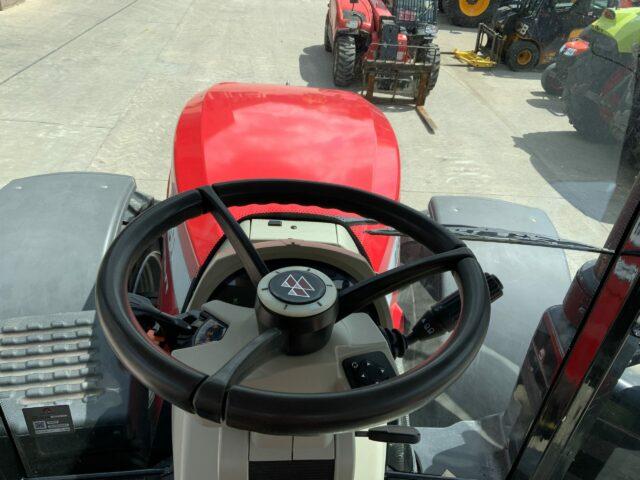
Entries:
{"x":513,"y":123}
{"x":414,"y":11}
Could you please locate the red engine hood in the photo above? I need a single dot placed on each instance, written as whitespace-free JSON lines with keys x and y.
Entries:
{"x":236,"y":131}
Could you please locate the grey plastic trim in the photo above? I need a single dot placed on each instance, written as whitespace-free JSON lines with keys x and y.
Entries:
{"x":54,"y":231}
{"x":533,"y":278}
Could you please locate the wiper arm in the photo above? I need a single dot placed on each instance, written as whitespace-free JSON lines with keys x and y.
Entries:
{"x":499,"y":235}
{"x":356,"y":221}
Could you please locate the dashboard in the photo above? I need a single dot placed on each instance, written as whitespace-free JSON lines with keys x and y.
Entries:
{"x":237,"y":289}
{"x":223,"y":278}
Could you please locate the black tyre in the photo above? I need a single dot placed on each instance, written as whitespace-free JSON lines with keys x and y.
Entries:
{"x":432,"y":54}
{"x":147,"y":273}
{"x":469,"y":13}
{"x":344,"y":61}
{"x":522,"y":55}
{"x":327,"y":35}
{"x":582,"y":112}
{"x":550,"y":81}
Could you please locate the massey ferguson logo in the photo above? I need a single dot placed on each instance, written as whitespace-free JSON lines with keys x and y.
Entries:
{"x":299,"y":287}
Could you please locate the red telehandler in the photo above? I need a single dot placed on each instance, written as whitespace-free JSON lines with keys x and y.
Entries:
{"x":391,"y":43}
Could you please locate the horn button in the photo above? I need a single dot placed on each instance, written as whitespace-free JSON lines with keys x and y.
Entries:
{"x":297,"y":287}
{"x":302,"y":301}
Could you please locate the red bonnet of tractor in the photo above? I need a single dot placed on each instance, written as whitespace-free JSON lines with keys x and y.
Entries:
{"x":234,"y":132}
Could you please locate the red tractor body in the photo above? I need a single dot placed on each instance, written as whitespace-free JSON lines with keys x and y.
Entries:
{"x":234,"y":132}
{"x":342,"y":14}
{"x":368,"y":14}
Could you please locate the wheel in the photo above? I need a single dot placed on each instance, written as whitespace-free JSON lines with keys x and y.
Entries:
{"x":432,"y":54}
{"x":344,"y":61}
{"x":327,"y":35}
{"x":522,"y":55}
{"x":583,"y":113}
{"x":287,"y":325}
{"x":550,"y":81}
{"x":146,"y":274}
{"x":469,"y":13}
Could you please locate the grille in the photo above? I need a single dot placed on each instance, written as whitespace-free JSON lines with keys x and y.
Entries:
{"x":46,"y":359}
{"x":408,"y":12}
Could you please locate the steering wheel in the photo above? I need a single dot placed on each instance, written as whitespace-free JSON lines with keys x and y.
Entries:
{"x":289,"y":325}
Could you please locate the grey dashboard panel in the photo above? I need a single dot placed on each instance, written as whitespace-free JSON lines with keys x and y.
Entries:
{"x":54,"y":230}
{"x":534,"y":279}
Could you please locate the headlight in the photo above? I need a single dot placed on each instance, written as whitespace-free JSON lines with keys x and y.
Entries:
{"x":430,"y":29}
{"x":352,"y":19}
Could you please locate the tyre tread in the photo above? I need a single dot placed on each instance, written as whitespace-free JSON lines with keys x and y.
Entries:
{"x":345,"y":63}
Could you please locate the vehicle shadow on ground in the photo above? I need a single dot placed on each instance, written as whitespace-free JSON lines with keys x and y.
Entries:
{"x":502,"y":71}
{"x":462,"y":451}
{"x":444,"y":25}
{"x":548,"y":102}
{"x":588,"y":175}
{"x":316,"y":67}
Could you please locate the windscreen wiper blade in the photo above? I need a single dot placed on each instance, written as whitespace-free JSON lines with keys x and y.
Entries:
{"x":356,"y":221}
{"x":499,"y":235}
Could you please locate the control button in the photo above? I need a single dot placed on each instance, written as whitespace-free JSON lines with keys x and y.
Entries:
{"x":368,"y":369}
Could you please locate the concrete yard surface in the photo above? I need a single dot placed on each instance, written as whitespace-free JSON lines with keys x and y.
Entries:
{"x":99,"y":84}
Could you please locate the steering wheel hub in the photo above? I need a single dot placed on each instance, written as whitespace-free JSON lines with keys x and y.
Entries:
{"x":298,"y":287}
{"x":302,"y":302}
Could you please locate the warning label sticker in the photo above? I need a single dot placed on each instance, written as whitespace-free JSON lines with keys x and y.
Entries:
{"x":47,"y":420}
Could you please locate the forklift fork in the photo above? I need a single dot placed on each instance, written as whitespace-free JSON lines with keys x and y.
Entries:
{"x":392,"y":73}
{"x":488,"y":49}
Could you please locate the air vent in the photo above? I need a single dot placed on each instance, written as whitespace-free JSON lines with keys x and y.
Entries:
{"x":45,"y":359}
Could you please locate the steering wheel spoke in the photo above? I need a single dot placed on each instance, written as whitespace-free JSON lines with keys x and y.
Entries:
{"x":247,"y":253}
{"x":210,"y":397}
{"x":361,"y":294}
{"x":296,"y":318}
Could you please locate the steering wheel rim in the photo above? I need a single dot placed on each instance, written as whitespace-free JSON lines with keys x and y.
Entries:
{"x":270,"y":412}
